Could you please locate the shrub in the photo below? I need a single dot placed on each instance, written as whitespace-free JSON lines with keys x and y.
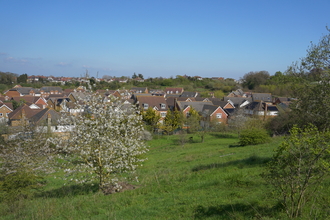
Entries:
{"x":19,"y":185}
{"x":253,"y":136}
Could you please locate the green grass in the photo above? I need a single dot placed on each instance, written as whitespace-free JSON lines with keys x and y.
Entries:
{"x":216,"y":179}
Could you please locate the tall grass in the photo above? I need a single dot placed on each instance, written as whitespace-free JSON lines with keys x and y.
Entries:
{"x":216,"y":179}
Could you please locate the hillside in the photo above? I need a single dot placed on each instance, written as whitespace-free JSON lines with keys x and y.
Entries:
{"x":211,"y":180}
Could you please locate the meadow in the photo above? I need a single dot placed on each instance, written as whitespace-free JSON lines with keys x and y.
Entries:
{"x":216,"y":179}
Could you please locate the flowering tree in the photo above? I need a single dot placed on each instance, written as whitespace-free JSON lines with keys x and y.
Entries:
{"x":25,"y":156}
{"x":104,"y":141}
{"x":28,"y":150}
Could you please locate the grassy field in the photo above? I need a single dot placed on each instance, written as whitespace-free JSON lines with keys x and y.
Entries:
{"x":216,"y":179}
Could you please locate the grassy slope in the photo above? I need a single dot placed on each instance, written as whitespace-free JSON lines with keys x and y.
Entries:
{"x":210,"y":180}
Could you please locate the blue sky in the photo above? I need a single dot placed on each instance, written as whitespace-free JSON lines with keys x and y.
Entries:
{"x":157,"y":38}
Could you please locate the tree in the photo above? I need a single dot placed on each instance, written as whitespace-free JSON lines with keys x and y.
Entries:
{"x":193,"y":120}
{"x":134,"y":76}
{"x":298,"y":168}
{"x":312,"y":105}
{"x":28,"y":149}
{"x":22,"y":78}
{"x":253,"y":79}
{"x":25,"y":157}
{"x":105,"y":141}
{"x":172,"y":121}
{"x":140,"y":76}
{"x":151,"y":118}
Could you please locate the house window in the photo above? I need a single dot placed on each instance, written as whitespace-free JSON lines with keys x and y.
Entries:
{"x":219,"y":115}
{"x":1,"y":114}
{"x":163,"y":114}
{"x":162,"y":106}
{"x":145,"y":106}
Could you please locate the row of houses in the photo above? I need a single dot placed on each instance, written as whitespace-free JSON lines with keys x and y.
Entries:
{"x":45,"y":104}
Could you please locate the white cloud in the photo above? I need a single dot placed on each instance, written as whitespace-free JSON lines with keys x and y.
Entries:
{"x":63,"y":64}
{"x":14,"y":60}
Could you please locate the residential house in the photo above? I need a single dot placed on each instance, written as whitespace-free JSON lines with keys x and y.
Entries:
{"x":206,"y":109}
{"x":265,"y":97}
{"x":5,"y":109}
{"x":59,"y":104}
{"x":49,"y":90}
{"x":139,"y":90}
{"x":189,"y":94}
{"x":283,"y":100}
{"x":22,"y":91}
{"x":39,"y":101}
{"x":177,"y":91}
{"x":238,"y":102}
{"x":237,"y":93}
{"x":157,"y":92}
{"x":260,"y":108}
{"x":222,"y":104}
{"x":215,"y":113}
{"x":158,"y":103}
{"x":24,"y":115}
{"x":76,"y":96}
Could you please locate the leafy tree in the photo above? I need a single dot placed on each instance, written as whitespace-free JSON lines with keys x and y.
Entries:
{"x":172,"y":121}
{"x":22,"y":78}
{"x":298,"y":168}
{"x":193,"y":120}
{"x":312,"y":105}
{"x":219,"y":94}
{"x":151,"y":118}
{"x":237,"y":121}
{"x":140,"y":76}
{"x":253,"y":79}
{"x":134,"y":76}
{"x":104,"y":142}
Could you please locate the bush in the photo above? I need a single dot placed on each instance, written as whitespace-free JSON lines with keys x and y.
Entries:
{"x":253,"y":136}
{"x":18,"y":185}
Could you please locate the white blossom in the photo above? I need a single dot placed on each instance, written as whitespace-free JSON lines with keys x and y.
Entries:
{"x":104,"y":142}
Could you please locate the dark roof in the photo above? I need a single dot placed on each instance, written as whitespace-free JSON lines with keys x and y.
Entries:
{"x":272,"y":108}
{"x":24,"y":90}
{"x":266,"y":97}
{"x":230,"y":111}
{"x":189,"y":94}
{"x":44,"y":114}
{"x":218,"y":102}
{"x":256,"y":106}
{"x":198,"y":106}
{"x":237,"y":100}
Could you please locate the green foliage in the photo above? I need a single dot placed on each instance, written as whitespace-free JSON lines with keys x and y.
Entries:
{"x":193,"y":121}
{"x":297,"y":170}
{"x":18,"y":185}
{"x":22,"y":78}
{"x":151,"y":118}
{"x":253,"y":136}
{"x":172,"y":121}
{"x":7,"y":78}
{"x":253,"y":79}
